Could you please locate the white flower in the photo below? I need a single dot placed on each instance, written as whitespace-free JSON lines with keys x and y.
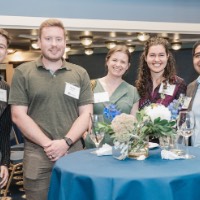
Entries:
{"x":158,"y":110}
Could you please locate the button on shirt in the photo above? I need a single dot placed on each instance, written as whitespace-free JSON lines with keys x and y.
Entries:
{"x":195,"y":109}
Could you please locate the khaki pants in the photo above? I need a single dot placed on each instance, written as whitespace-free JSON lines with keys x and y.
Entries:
{"x":37,"y":172}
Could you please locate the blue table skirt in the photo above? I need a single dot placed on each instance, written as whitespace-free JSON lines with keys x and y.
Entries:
{"x":85,"y":176}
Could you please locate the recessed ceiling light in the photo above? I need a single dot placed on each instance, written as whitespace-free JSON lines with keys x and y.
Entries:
{"x":11,"y":51}
{"x":34,"y":44}
{"x":112,"y":34}
{"x":67,"y":48}
{"x":143,"y":36}
{"x":131,"y":47}
{"x":89,"y":51}
{"x":86,"y":40}
{"x":110,"y":44}
{"x":176,"y":45}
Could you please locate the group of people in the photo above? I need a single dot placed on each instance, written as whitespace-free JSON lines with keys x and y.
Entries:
{"x":52,"y":100}
{"x":157,"y":81}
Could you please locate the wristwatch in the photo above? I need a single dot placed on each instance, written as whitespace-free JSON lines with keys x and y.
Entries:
{"x":68,"y":141}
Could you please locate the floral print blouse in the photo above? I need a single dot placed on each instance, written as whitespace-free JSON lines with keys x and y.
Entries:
{"x":155,"y":96}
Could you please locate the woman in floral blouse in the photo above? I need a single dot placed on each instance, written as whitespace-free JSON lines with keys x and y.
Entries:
{"x":157,"y":81}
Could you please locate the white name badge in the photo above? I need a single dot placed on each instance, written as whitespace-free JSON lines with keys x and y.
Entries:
{"x":72,"y":91}
{"x":168,"y":91}
{"x":101,"y":97}
{"x":3,"y":95}
{"x":186,"y":102}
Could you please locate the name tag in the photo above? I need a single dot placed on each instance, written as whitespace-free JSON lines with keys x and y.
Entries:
{"x":186,"y":102}
{"x":3,"y":95}
{"x":72,"y":91}
{"x":101,"y":97}
{"x":168,"y":91}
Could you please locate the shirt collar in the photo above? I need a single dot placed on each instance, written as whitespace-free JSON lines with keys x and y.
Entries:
{"x":65,"y":64}
{"x":198,"y":80}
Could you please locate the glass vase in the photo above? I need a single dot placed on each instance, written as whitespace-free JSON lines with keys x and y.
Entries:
{"x":138,"y":148}
{"x":164,"y":142}
{"x":120,"y":150}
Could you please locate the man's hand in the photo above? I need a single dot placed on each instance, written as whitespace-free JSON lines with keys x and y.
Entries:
{"x":4,"y":176}
{"x":56,"y":149}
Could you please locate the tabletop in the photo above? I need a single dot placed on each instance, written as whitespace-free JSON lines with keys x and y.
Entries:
{"x":85,"y":176}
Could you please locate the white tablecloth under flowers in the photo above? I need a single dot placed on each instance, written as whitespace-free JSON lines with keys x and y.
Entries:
{"x":85,"y":176}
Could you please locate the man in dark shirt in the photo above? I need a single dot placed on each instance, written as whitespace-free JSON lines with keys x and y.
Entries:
{"x":5,"y":115}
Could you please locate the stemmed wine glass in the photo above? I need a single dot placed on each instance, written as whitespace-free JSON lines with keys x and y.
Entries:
{"x":96,"y":134}
{"x":185,"y":125}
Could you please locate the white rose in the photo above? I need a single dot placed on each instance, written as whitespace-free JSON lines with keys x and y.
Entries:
{"x":156,"y":111}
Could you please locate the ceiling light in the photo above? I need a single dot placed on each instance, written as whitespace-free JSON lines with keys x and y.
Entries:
{"x":86,"y":40}
{"x":176,"y":37}
{"x":163,"y":35}
{"x":86,"y":33}
{"x":112,"y":34}
{"x":67,"y":48}
{"x":110,"y":44}
{"x":89,"y":51}
{"x":143,"y":36}
{"x":176,"y":45}
{"x":11,"y":51}
{"x":65,"y":56}
{"x":34,"y":44}
{"x":131,"y":47}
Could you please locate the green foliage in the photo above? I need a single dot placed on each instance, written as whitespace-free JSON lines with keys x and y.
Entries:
{"x":158,"y":128}
{"x":143,"y":127}
{"x":106,"y":128}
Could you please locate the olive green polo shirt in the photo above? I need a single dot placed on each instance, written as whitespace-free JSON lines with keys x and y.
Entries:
{"x":44,"y":94}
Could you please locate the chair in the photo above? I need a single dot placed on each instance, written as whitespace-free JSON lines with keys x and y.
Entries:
{"x":16,"y":163}
{"x":15,"y":169}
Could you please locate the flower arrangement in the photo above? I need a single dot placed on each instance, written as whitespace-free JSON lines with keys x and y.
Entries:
{"x":154,"y":121}
{"x":123,"y":126}
{"x":111,"y":111}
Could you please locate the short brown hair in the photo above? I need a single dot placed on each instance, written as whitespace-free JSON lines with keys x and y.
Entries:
{"x":119,"y":48}
{"x":51,"y":23}
{"x":5,"y":34}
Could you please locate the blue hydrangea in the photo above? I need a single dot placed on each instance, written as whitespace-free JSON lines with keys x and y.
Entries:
{"x":111,"y":111}
{"x":175,"y":106}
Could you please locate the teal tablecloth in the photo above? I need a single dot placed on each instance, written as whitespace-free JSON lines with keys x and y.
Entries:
{"x":84,"y":176}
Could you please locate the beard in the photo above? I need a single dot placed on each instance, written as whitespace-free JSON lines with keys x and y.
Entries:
{"x":53,"y":58}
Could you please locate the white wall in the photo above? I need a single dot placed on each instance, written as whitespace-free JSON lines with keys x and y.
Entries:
{"x":184,"y":11}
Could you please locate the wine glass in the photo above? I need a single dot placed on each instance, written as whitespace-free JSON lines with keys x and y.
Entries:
{"x":96,"y":134}
{"x":185,"y":125}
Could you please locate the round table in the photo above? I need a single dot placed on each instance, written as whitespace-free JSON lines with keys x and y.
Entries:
{"x":85,"y":176}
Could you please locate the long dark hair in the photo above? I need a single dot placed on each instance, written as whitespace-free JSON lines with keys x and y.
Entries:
{"x":144,"y":81}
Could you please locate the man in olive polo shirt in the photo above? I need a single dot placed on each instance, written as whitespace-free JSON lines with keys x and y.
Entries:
{"x":51,"y":103}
